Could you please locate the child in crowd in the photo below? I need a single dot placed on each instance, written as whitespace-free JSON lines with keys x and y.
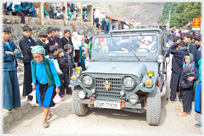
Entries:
{"x":11,"y":92}
{"x":68,"y":50}
{"x":178,"y":55}
{"x":26,"y":44}
{"x":51,"y":33}
{"x":86,"y":40}
{"x":186,"y":85}
{"x":189,"y":43}
{"x":57,"y":37}
{"x":43,"y":41}
{"x":64,"y":65}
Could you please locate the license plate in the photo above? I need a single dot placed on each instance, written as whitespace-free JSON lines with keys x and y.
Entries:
{"x":109,"y":105}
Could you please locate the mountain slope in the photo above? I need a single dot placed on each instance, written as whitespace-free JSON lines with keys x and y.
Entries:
{"x":145,"y":12}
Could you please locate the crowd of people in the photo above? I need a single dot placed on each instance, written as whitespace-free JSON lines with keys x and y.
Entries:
{"x":48,"y":64}
{"x":186,"y":72}
{"x":52,"y":10}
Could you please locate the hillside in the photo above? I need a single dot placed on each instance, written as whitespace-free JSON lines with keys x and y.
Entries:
{"x":146,"y":12}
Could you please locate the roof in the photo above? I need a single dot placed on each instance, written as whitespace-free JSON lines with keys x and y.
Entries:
{"x":114,"y":18}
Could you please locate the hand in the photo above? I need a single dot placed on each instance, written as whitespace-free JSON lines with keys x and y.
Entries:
{"x":179,"y":41}
{"x":8,"y":52}
{"x":57,"y":90}
{"x":179,"y":84}
{"x":56,"y":44}
{"x":33,"y":86}
{"x":191,"y":78}
{"x":47,"y":41}
{"x":31,"y":47}
{"x":71,"y":74}
{"x":16,"y":50}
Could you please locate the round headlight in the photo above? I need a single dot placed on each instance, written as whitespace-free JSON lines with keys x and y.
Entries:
{"x":150,"y":74}
{"x":128,"y":82}
{"x":160,"y":58}
{"x":87,"y":80}
{"x":81,"y":94}
{"x":133,"y":98}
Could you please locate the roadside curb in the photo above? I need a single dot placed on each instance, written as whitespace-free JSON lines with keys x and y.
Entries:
{"x":10,"y":119}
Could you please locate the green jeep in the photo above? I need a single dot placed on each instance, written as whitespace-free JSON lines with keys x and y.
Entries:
{"x":128,"y":71}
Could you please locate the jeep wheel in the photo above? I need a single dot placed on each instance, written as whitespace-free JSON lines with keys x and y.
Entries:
{"x":78,"y":108}
{"x":153,"y":107}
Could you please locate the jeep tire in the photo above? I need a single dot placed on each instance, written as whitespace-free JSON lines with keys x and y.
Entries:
{"x":153,"y":113}
{"x":78,"y":108}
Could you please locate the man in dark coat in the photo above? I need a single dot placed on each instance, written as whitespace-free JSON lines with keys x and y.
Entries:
{"x":26,"y":44}
{"x":67,"y":39}
{"x":176,"y":67}
{"x":189,"y":43}
{"x":51,"y":33}
{"x":57,"y":37}
{"x":43,"y":41}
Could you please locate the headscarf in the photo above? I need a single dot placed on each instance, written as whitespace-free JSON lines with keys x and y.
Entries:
{"x":39,"y":50}
{"x":188,"y":69}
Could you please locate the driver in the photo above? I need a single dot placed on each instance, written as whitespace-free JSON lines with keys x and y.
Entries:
{"x":147,"y":43}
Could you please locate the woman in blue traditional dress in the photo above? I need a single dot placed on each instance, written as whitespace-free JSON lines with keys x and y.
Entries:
{"x":11,"y":93}
{"x":45,"y":80}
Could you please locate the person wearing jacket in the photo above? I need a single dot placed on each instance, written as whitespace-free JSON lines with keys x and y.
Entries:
{"x":67,"y":39}
{"x":186,"y":84}
{"x":198,"y":92}
{"x":45,"y":80}
{"x":64,"y":65}
{"x":57,"y":37}
{"x":198,"y":51}
{"x":29,"y":7}
{"x":26,"y":44}
{"x":11,"y":92}
{"x":176,"y":67}
{"x":189,"y":43}
{"x":43,"y":41}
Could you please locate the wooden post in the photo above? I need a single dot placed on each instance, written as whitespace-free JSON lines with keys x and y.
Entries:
{"x":80,"y":13}
{"x":90,"y":14}
{"x":111,"y":23}
{"x":41,"y":14}
{"x":65,"y":13}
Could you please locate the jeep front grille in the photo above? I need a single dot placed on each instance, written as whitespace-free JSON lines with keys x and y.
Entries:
{"x":113,"y":93}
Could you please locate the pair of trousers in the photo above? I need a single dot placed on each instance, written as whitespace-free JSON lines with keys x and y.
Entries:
{"x":64,"y":78}
{"x":174,"y":84}
{"x":21,"y":13}
{"x":11,"y":92}
{"x":27,"y":87}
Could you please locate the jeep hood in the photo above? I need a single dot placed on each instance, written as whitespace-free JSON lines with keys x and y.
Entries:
{"x":133,"y":68}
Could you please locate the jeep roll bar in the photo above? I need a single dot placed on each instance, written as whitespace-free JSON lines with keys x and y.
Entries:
{"x":136,"y":30}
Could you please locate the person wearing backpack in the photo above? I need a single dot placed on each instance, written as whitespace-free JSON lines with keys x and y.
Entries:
{"x":45,"y":81}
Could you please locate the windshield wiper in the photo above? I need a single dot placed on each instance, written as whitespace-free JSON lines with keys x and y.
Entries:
{"x":133,"y":51}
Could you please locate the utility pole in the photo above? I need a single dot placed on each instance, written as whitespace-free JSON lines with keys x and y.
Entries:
{"x":169,"y":19}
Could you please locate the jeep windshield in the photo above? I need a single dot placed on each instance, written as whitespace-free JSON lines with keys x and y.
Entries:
{"x":126,"y":44}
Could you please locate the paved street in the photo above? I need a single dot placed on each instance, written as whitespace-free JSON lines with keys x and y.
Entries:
{"x":107,"y":121}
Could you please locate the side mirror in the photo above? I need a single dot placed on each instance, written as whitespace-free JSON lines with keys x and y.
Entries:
{"x":166,"y":52}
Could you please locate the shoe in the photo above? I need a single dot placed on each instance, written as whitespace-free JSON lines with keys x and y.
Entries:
{"x":7,"y":111}
{"x":198,"y":125}
{"x":169,"y":100}
{"x":45,"y":124}
{"x":16,"y":108}
{"x":70,"y":93}
{"x":63,"y":99}
{"x":181,"y":105}
{"x":181,"y":114}
{"x":49,"y":116}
